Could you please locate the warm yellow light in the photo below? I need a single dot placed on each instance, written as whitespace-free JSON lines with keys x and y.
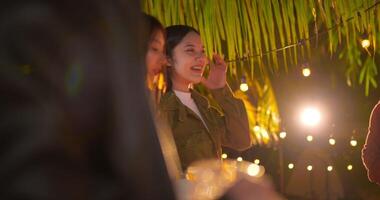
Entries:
{"x":256,"y":128}
{"x":290,"y":165}
{"x":332,"y":141}
{"x":309,"y":168}
{"x":265,"y":134}
{"x":365,"y":43}
{"x":244,"y":87}
{"x":256,"y":161}
{"x":239,"y":159}
{"x":253,"y":170}
{"x":349,"y":167}
{"x":283,"y":135}
{"x":309,"y":138}
{"x":306,"y":72}
{"x":310,"y":116}
{"x":353,"y":142}
{"x":224,"y":156}
{"x":329,"y":168}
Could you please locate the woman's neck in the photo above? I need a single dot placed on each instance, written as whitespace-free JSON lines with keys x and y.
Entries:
{"x":181,"y":85}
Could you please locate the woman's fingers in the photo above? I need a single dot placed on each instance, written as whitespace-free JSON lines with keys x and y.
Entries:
{"x":219,"y":62}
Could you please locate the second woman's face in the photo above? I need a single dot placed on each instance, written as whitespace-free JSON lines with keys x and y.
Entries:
{"x":155,"y":57}
{"x":188,"y":59}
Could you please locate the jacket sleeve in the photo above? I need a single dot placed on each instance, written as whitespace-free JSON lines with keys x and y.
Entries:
{"x":371,"y":149}
{"x":235,"y":119}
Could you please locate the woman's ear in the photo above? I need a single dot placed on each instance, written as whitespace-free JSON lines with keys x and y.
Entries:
{"x":169,"y":61}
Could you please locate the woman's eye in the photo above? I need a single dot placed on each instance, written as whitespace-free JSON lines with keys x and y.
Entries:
{"x":155,"y":49}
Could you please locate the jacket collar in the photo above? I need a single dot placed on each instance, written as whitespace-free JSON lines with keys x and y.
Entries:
{"x":171,"y":102}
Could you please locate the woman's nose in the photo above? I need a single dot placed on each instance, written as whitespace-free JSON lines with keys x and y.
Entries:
{"x":201,"y":57}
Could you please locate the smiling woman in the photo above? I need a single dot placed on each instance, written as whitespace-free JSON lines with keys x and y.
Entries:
{"x":198,"y":129}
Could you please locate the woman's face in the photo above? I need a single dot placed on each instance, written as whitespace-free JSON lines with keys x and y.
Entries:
{"x":188,"y":60}
{"x":155,"y":57}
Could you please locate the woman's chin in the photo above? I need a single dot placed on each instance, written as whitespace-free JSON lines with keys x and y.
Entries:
{"x":196,"y":80}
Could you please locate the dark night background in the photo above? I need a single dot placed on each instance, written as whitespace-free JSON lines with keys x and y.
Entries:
{"x":345,"y":113}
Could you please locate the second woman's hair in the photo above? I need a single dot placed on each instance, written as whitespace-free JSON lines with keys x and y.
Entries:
{"x":153,"y":25}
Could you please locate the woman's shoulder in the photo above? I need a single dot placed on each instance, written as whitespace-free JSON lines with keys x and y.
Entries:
{"x":168,"y":101}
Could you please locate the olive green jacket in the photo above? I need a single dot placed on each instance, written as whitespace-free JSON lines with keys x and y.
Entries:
{"x":196,"y":142}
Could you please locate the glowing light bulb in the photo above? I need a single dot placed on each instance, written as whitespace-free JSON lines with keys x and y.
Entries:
{"x":256,"y":161}
{"x":309,"y":138}
{"x":310,"y":116}
{"x":290,"y":165}
{"x":283,"y":135}
{"x":239,"y":159}
{"x":256,"y":128}
{"x":365,"y":43}
{"x":332,"y":141}
{"x":353,"y":142}
{"x":349,"y":167}
{"x":329,"y":168}
{"x":306,"y":72}
{"x":309,"y":168}
{"x":243,"y":84}
{"x":244,"y":87}
{"x":224,"y":156}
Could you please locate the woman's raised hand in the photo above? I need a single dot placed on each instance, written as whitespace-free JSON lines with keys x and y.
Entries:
{"x":217,"y":76}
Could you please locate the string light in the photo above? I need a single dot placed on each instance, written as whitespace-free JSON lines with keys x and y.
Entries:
{"x":243,"y":85}
{"x":349,"y":167}
{"x":309,"y":168}
{"x":365,"y":41}
{"x":256,"y":128}
{"x":353,"y":141}
{"x":306,"y":72}
{"x":332,"y":141}
{"x":290,"y":165}
{"x":224,"y":156}
{"x":309,"y":138}
{"x":239,"y":159}
{"x":310,"y":116}
{"x":256,"y":161}
{"x":283,"y":135}
{"x":329,"y":168}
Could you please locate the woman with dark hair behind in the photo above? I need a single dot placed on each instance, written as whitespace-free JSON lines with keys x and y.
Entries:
{"x":200,"y":130}
{"x":155,"y":56}
{"x":155,"y":59}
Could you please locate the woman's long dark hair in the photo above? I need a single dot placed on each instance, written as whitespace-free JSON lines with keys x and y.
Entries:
{"x":174,"y":35}
{"x":153,"y":26}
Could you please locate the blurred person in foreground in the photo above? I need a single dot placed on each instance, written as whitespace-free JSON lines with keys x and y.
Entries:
{"x":74,"y":116}
{"x":371,"y":148}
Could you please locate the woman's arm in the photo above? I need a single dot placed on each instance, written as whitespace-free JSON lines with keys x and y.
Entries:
{"x":235,"y":119}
